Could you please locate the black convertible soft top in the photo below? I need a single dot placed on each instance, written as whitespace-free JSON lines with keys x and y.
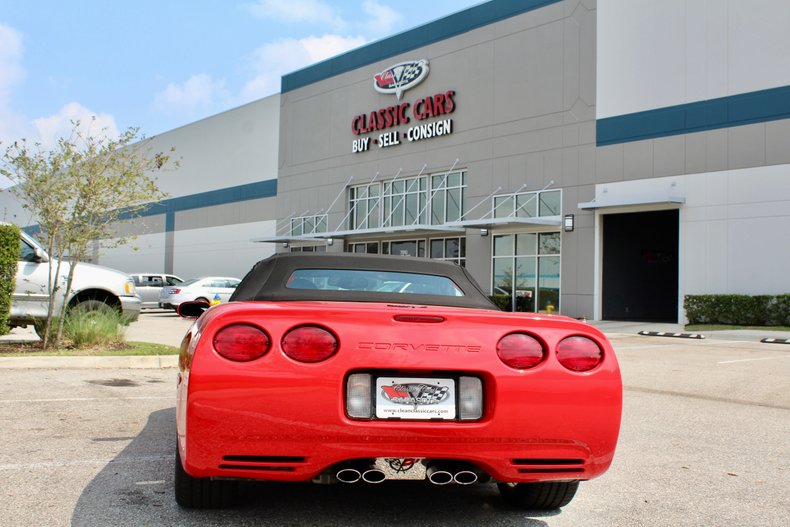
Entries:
{"x":268,"y":280}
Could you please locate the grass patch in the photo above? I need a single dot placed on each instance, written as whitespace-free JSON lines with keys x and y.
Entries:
{"x":720,"y":327}
{"x":33,"y":349}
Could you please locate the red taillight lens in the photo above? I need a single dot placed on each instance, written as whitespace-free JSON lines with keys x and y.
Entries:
{"x":241,"y":342}
{"x":520,"y":351}
{"x":175,"y":291}
{"x":309,"y":344}
{"x":579,"y":353}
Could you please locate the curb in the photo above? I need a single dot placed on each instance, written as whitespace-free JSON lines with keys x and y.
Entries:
{"x":77,"y":363}
{"x":676,"y":335}
{"x":769,"y":340}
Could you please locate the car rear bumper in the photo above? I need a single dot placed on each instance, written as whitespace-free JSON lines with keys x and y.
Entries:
{"x":558,"y":437}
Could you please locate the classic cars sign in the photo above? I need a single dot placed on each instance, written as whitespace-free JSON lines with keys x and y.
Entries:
{"x":400,"y":77}
{"x":397,"y":79}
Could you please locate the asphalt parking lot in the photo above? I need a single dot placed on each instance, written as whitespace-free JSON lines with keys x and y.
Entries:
{"x":705,"y":440}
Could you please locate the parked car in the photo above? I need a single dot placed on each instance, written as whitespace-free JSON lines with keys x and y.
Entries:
{"x":202,"y":289}
{"x":149,"y":286}
{"x":296,"y":379}
{"x":93,"y":287}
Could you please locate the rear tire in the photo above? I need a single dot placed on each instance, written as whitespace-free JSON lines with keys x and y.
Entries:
{"x":546,"y":495}
{"x":201,"y":299}
{"x":201,"y":493}
{"x":95,"y":305}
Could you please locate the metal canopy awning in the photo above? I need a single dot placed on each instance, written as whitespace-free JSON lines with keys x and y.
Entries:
{"x":321,"y":237}
{"x":490,"y":223}
{"x":667,"y":191}
{"x":608,"y":203}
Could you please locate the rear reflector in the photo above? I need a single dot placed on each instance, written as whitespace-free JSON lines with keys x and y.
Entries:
{"x":241,"y":342}
{"x":520,"y":351}
{"x":470,"y":398}
{"x":309,"y":344}
{"x":579,"y":353}
{"x":358,"y":396}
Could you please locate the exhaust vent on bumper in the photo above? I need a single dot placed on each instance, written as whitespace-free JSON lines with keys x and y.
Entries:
{"x":548,"y":465}
{"x":262,"y":463}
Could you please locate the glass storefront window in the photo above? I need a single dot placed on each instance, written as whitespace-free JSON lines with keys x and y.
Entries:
{"x":528,"y":204}
{"x":550,"y":203}
{"x":503,"y":245}
{"x":549,"y":284}
{"x":525,"y":244}
{"x":503,"y":206}
{"x":526,"y":271}
{"x":404,"y":248}
{"x":549,"y":243}
{"x":364,"y":205}
{"x":363,"y":247}
{"x":308,"y":225}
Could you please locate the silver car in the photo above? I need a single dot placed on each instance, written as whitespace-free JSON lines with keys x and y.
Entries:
{"x":207,"y":289}
{"x":149,"y":286}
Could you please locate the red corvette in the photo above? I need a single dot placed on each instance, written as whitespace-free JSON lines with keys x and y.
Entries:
{"x":353,"y":368}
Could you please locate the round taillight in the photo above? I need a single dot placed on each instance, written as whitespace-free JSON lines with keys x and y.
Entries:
{"x":520,"y":351}
{"x":309,"y":344}
{"x":579,"y":353}
{"x":241,"y":342}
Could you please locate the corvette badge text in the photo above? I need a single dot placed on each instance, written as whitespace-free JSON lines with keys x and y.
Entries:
{"x":402,"y":346}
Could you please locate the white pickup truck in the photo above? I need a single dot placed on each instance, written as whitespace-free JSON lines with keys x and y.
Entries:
{"x":94,"y":287}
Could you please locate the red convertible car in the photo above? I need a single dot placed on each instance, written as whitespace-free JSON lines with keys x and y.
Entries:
{"x":354,"y":368}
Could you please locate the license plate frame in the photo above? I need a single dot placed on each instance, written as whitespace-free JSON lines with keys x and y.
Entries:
{"x":416,"y":398}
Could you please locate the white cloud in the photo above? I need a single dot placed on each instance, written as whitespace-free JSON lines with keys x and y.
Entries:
{"x":272,"y":61}
{"x":51,"y":128}
{"x":198,"y":96}
{"x":12,"y":124}
{"x":382,"y":18}
{"x":298,"y":12}
{"x":11,"y":71}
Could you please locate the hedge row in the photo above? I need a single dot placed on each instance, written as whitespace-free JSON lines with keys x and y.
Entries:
{"x":743,"y":310}
{"x":9,"y":254}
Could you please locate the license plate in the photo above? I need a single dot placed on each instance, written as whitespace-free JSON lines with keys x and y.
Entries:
{"x":415,"y":398}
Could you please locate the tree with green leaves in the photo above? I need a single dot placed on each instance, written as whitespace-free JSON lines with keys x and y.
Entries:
{"x":79,"y":192}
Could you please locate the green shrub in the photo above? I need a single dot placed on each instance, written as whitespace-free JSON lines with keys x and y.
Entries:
{"x":84,"y":329}
{"x":9,"y":255}
{"x":744,"y":310}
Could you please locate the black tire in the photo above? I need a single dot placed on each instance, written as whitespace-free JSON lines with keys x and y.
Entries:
{"x":201,"y":493}
{"x":94,"y":305}
{"x":547,"y":495}
{"x":201,"y":299}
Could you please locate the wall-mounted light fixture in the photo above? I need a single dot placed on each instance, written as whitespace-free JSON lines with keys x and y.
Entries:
{"x":483,"y":232}
{"x":568,"y":223}
{"x":285,"y":245}
{"x":330,"y":241}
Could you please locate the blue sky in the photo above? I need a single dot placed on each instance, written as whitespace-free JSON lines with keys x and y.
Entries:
{"x":158,"y":65}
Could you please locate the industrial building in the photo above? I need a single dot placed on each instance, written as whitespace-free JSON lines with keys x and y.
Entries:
{"x":596,"y":159}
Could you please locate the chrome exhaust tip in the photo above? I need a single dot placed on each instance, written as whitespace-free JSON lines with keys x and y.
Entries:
{"x":374,"y":476}
{"x":465,"y":477}
{"x":439,"y":476}
{"x":348,"y":475}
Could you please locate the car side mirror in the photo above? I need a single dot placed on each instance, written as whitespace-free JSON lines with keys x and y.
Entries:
{"x":192,"y":309}
{"x":40,"y":255}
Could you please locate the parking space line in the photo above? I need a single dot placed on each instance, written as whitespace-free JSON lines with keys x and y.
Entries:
{"x":84,"y":399}
{"x":751,"y":360}
{"x":79,"y":462}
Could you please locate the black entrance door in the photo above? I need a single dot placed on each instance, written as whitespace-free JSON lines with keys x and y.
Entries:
{"x":640,"y":266}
